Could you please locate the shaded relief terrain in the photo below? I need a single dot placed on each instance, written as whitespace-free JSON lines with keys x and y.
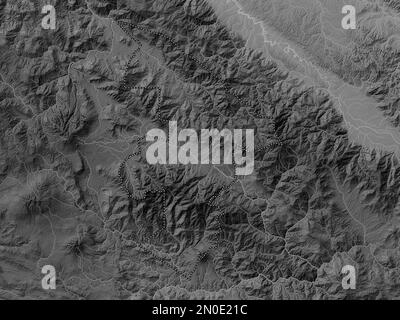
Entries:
{"x":76,"y":190}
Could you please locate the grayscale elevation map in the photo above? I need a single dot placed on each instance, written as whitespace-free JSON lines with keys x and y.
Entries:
{"x":199,"y":149}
